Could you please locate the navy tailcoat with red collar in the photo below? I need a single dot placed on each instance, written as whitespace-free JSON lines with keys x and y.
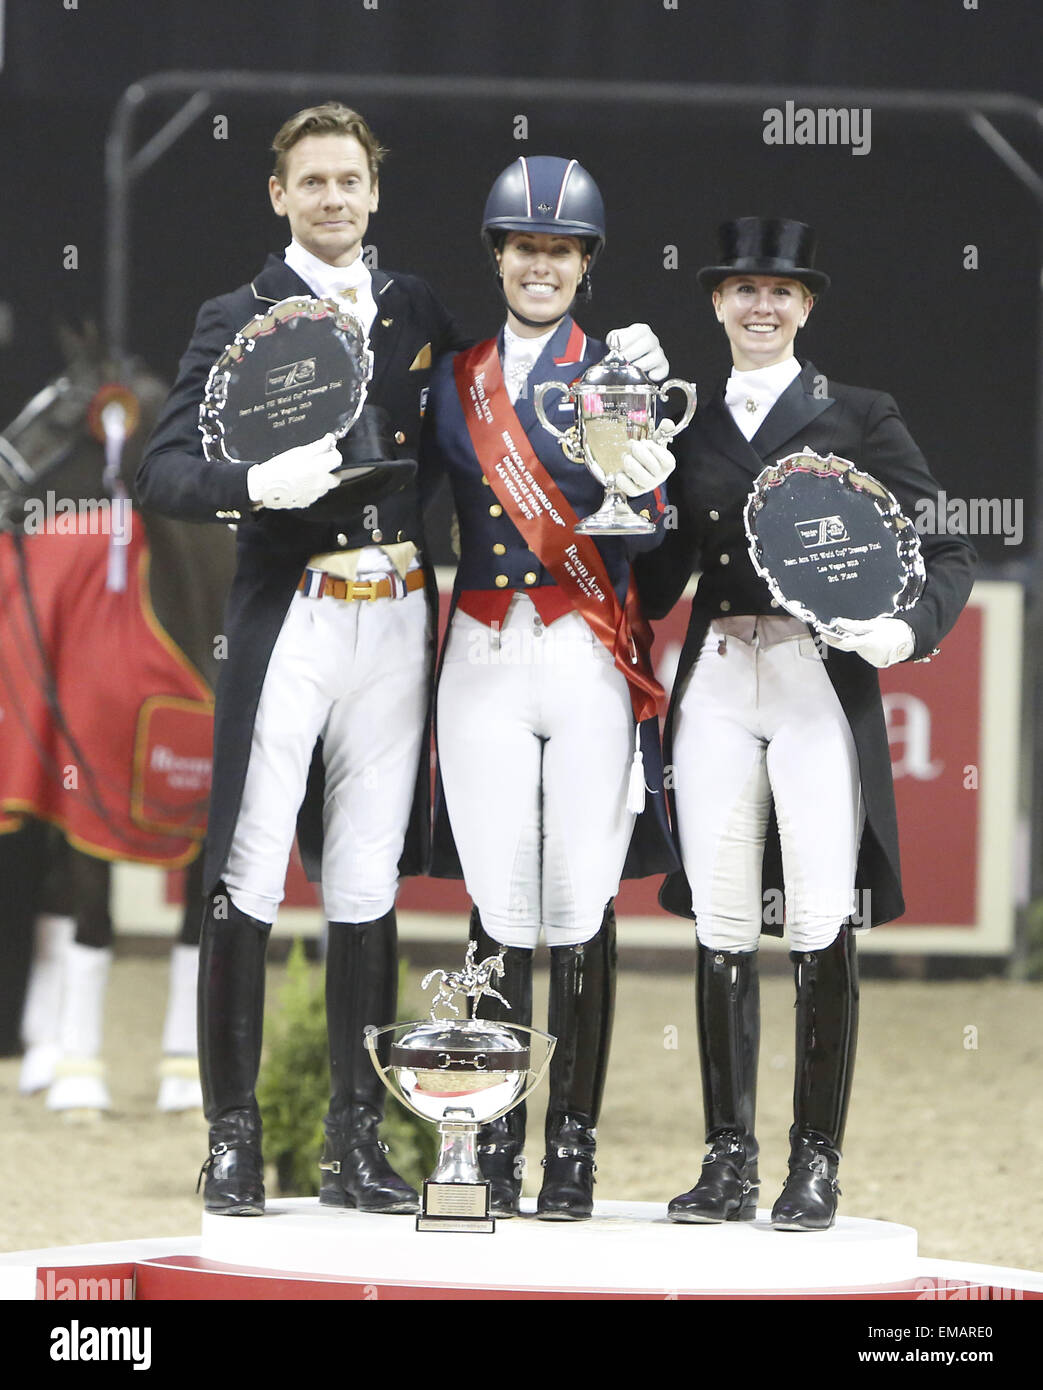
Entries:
{"x":447,"y":450}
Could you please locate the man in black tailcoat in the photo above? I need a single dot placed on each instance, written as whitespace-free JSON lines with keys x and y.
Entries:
{"x":329,"y":631}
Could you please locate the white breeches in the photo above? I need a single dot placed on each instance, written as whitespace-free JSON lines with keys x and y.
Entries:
{"x":535,"y":738}
{"x":354,"y":674}
{"x":756,"y":725}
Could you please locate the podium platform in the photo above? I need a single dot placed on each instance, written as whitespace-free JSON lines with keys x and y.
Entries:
{"x":629,"y":1250}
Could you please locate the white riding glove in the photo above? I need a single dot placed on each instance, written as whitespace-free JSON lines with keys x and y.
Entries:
{"x":880,"y":641}
{"x":638,"y":344}
{"x":297,"y":477}
{"x":645,"y":465}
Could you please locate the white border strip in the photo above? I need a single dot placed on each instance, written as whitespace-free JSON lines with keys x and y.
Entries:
{"x":564,"y":184}
{"x":528,"y":187}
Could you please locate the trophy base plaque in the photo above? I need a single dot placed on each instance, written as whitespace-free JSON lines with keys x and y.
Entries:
{"x":456,"y":1206}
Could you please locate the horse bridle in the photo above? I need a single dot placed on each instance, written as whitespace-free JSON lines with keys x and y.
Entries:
{"x":16,"y":474}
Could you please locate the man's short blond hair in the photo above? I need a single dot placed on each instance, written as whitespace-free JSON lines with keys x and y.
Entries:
{"x":331,"y":118}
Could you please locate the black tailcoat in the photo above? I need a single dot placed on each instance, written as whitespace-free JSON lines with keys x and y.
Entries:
{"x":716,"y":467}
{"x":175,"y":478}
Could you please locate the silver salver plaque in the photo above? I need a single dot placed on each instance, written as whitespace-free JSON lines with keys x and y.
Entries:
{"x":290,"y":376}
{"x":831,"y":541}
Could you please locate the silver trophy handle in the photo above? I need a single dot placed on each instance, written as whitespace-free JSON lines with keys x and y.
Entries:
{"x":676,"y":384}
{"x":537,"y":402}
{"x":386,"y":1074}
{"x":571,"y":439}
{"x":536,"y":1074}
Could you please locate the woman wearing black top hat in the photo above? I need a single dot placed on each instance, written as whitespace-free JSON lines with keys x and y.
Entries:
{"x":773,"y":746}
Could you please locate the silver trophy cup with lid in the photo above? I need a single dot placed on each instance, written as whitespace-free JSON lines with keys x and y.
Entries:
{"x":615,"y":403}
{"x":460,"y":1073}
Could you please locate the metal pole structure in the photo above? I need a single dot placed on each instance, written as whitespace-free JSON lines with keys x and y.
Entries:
{"x":122,"y":166}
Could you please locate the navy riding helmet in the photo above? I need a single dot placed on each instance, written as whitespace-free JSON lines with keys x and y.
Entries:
{"x":541,"y":193}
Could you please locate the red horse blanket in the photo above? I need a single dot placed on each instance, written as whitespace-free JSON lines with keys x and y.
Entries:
{"x":106,"y":728}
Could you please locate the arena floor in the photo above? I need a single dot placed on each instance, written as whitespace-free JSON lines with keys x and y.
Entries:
{"x":945,"y":1132}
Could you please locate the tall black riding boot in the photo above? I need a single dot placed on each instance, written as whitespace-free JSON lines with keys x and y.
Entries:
{"x":827,"y":1029}
{"x":361,"y":992}
{"x":231,"y":1017}
{"x":501,"y":1143}
{"x":582,"y":1002}
{"x":727,"y":997}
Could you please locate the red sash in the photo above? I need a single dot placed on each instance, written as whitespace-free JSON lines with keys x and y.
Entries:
{"x":541,"y":512}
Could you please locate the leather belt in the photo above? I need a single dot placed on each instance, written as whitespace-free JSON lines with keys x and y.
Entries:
{"x":319,"y":584}
{"x":460,"y":1059}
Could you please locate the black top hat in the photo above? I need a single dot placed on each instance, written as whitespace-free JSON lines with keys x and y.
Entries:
{"x":765,"y":246}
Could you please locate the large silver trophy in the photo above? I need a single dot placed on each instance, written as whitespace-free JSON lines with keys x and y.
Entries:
{"x":615,"y":403}
{"x":461,"y":1073}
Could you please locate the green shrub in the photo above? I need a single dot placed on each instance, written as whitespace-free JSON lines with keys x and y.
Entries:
{"x":1032,"y":962}
{"x":293,"y":1089}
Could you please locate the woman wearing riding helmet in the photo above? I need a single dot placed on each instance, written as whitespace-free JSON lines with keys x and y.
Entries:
{"x":546,"y":704}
